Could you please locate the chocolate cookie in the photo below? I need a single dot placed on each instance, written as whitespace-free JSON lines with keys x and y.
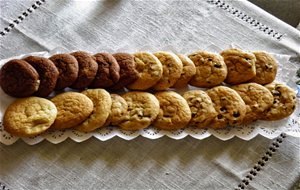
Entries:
{"x":18,"y":78}
{"x":48,"y":74}
{"x":67,"y":66}
{"x":128,"y":72}
{"x":266,"y":68}
{"x":88,"y":68}
{"x":108,"y":71}
{"x":240,"y":66}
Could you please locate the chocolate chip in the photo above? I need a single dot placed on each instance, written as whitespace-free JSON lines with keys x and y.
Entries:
{"x":276,"y":93}
{"x":220,"y":116}
{"x":222,"y":109}
{"x":209,"y":59}
{"x":193,"y":114}
{"x":236,"y":114}
{"x":217,"y":65}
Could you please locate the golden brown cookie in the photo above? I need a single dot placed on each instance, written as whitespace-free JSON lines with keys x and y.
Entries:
{"x":203,"y":111}
{"x":73,"y":108}
{"x":172,"y":69}
{"x":143,"y":108}
{"x":284,"y":102}
{"x":240,"y":65}
{"x":149,"y":71}
{"x":230,"y":107}
{"x":102,"y":104}
{"x":266,"y":68}
{"x":30,"y":116}
{"x":188,"y":71}
{"x":174,"y":111}
{"x":119,"y":109}
{"x":257,"y":99}
{"x":210,"y":69}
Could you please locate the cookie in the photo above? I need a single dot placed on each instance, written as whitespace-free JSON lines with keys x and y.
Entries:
{"x":257,"y":99}
{"x":119,"y":109}
{"x":30,"y":116}
{"x":284,"y":102}
{"x":88,"y":68}
{"x":188,"y":71}
{"x":210,"y":69}
{"x":172,"y":69}
{"x":174,"y":111}
{"x":108,"y":72}
{"x":266,"y":68}
{"x":240,"y":66}
{"x":202,"y":109}
{"x":128,"y":72}
{"x":18,"y":78}
{"x":68,"y":68}
{"x":48,"y":74}
{"x":149,"y":71}
{"x":102,"y":104}
{"x":229,"y":105}
{"x":143,"y":108}
{"x":72,"y":109}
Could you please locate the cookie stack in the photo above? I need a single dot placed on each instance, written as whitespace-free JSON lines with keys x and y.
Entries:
{"x":242,"y":100}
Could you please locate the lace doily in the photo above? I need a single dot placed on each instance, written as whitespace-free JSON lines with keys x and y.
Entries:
{"x":287,"y":74}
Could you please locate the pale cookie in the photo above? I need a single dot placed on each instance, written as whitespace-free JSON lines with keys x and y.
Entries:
{"x":240,"y":65}
{"x":284,"y":102}
{"x":188,"y":71}
{"x":119,"y":109}
{"x":143,"y":108}
{"x":257,"y":99}
{"x":102,"y":103}
{"x":211,"y":69}
{"x":73,"y":108}
{"x":172,"y":69}
{"x":28,"y":117}
{"x":174,"y":111}
{"x":203,"y":111}
{"x":230,"y":107}
{"x":149,"y":71}
{"x":266,"y":68}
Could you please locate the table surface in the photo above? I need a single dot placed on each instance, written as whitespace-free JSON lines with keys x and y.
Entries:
{"x":143,"y":163}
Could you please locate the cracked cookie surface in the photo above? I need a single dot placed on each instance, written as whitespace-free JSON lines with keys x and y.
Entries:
{"x":284,"y":102}
{"x":266,"y":68}
{"x":211,"y":69}
{"x":188,"y":71}
{"x":72,"y":109}
{"x":172,"y":69}
{"x":174,"y":112}
{"x":229,"y":105}
{"x":257,"y":99}
{"x":240,"y":65}
{"x":102,"y":104}
{"x":149,"y":71}
{"x":143,"y":108}
{"x":30,"y":116}
{"x":202,"y":109}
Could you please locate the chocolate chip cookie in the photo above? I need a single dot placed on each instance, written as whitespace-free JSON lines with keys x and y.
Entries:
{"x":266,"y":68}
{"x":210,"y":69}
{"x":240,"y":65}
{"x":48,"y":74}
{"x":108,"y":71}
{"x":188,"y":71}
{"x":88,"y":68}
{"x":284,"y":102}
{"x":119,"y":108}
{"x":68,"y":68}
{"x":18,"y":78}
{"x":257,"y":99}
{"x":229,"y":105}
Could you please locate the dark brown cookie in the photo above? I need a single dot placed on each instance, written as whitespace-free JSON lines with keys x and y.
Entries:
{"x":128,"y":73}
{"x":108,"y":71}
{"x":67,"y":66}
{"x":87,"y":69}
{"x":18,"y":78}
{"x":48,"y":74}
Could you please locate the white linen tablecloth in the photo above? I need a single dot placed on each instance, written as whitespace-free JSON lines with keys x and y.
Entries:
{"x":143,"y":163}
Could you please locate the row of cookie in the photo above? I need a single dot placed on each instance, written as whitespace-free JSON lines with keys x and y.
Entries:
{"x":94,"y":108}
{"x":140,"y":71}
